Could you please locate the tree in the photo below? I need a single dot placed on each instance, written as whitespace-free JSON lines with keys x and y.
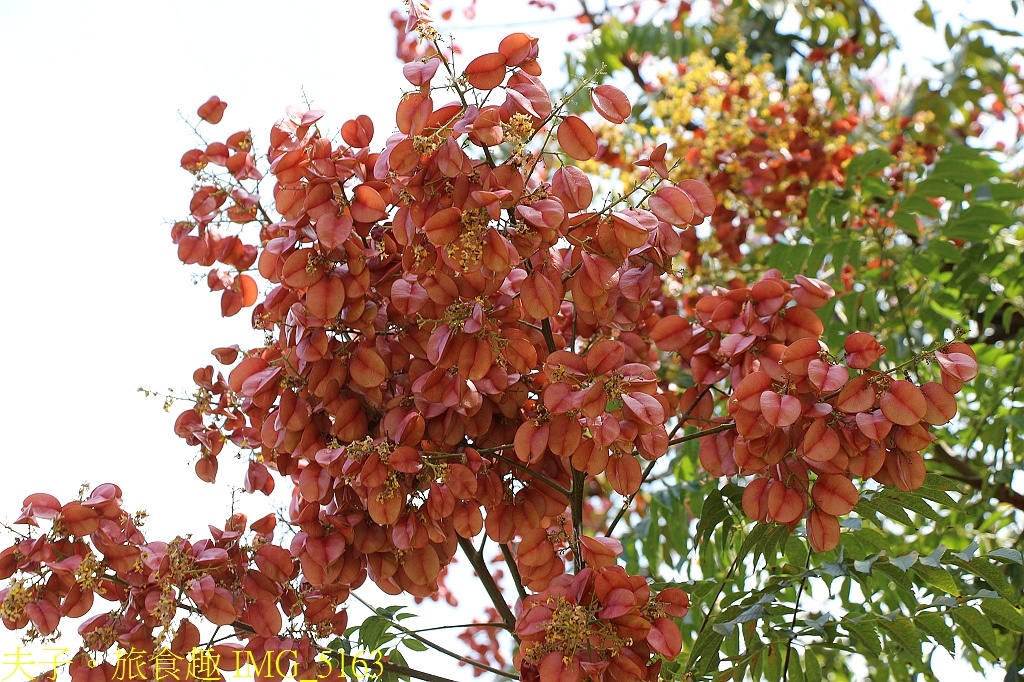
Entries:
{"x":467,"y":348}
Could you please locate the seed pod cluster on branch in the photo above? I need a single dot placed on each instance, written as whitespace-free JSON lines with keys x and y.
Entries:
{"x":797,"y":411}
{"x":460,"y":340}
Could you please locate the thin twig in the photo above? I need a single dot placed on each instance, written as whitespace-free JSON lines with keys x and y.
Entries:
{"x":650,"y":467}
{"x":540,"y":477}
{"x":711,"y":604}
{"x":579,"y":480}
{"x":436,"y":647}
{"x":462,"y":626}
{"x":792,"y":625}
{"x":493,"y":591}
{"x":510,"y":561}
{"x":629,"y":500}
{"x":700,"y":434}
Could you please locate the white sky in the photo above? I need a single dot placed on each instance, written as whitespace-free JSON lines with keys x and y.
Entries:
{"x":97,"y":303}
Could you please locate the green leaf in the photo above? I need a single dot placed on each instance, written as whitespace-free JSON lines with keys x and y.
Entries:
{"x":869,"y":162}
{"x":953,"y":315}
{"x":712,"y":516}
{"x":936,"y":494}
{"x":903,"y":632}
{"x":925,"y":16}
{"x":865,"y":565}
{"x":986,"y":215}
{"x":778,"y":536}
{"x":414,"y":644}
{"x":865,"y":633}
{"x":920,"y":206}
{"x":339,"y":644}
{"x":704,"y":654}
{"x":757,"y":661}
{"x":904,"y":562}
{"x":1006,"y":191}
{"x":897,"y":575}
{"x":794,"y":672}
{"x":969,"y":552}
{"x":821,"y":249}
{"x":938,"y":188}
{"x":875,"y":540}
{"x":940,"y":482}
{"x":371,"y":632}
{"x":389,"y":612}
{"x":395,"y":656}
{"x":773,"y":664}
{"x":886,"y":507}
{"x":725,"y":629}
{"x":913,"y":502}
{"x":755,"y":539}
{"x":935,"y":626}
{"x":907,"y":223}
{"x":935,"y":558}
{"x":967,"y":154}
{"x":652,"y":544}
{"x":815,"y":203}
{"x":968,"y":231}
{"x":1007,"y":555}
{"x":796,"y":551}
{"x":789,"y":258}
{"x":1001,"y":612}
{"x":877,"y":188}
{"x":937,"y":577}
{"x":712,"y":513}
{"x":989,"y":26}
{"x":945,"y":251}
{"x":991,"y":574}
{"x":812,"y":667}
{"x":975,"y":627}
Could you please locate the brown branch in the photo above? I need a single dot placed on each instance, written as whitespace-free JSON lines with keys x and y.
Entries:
{"x":540,"y":477}
{"x":579,"y":480}
{"x":493,"y":591}
{"x":549,"y":338}
{"x":999,"y":331}
{"x":594,"y":21}
{"x":633,"y":66}
{"x":510,"y":561}
{"x":968,"y":475}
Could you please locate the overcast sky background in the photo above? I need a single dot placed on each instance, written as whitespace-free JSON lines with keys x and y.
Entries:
{"x":97,"y":304}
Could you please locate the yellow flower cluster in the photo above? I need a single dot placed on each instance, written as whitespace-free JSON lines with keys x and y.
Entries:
{"x":714,"y":115}
{"x":19,"y":594}
{"x":574,"y":627}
